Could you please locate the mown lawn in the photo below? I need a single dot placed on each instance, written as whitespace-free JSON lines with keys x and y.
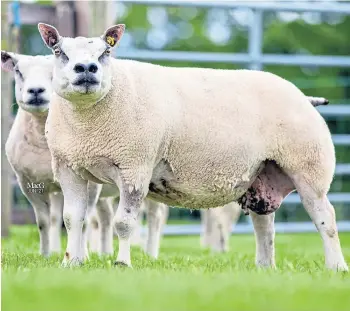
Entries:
{"x":184,"y":278}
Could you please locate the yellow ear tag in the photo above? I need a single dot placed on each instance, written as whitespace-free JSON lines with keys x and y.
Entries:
{"x":110,"y":40}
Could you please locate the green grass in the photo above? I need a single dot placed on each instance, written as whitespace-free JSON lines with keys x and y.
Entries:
{"x":184,"y":278}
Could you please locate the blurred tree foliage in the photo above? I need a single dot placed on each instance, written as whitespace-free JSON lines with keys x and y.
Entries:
{"x":329,"y":35}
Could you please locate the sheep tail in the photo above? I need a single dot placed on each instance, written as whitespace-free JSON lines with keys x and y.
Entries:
{"x":317,"y":101}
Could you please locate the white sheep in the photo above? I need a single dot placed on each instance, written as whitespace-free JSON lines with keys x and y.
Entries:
{"x":26,"y":147}
{"x":190,"y":137}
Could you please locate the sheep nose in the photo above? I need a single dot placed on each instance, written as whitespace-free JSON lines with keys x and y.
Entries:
{"x":79,"y":68}
{"x":92,"y":67}
{"x":36,"y":91}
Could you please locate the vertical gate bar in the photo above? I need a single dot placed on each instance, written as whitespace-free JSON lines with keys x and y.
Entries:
{"x":255,"y":39}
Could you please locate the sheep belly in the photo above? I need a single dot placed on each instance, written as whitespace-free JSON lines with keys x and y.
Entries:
{"x":167,"y":188}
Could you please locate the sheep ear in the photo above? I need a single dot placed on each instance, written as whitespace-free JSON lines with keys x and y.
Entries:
{"x":113,"y":34}
{"x":49,"y":34}
{"x":8,"y":61}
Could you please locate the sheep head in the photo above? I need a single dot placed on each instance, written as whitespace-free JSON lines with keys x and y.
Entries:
{"x":33,"y":80}
{"x":82,"y":71}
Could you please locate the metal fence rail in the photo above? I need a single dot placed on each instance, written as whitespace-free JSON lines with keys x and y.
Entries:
{"x":334,"y":197}
{"x":335,"y":110}
{"x":234,"y":58}
{"x":244,"y":228}
{"x":254,"y":58}
{"x":254,"y":5}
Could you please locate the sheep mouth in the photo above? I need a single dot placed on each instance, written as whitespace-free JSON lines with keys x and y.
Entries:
{"x":37,"y":102}
{"x":85,"y":82}
{"x":86,"y":85}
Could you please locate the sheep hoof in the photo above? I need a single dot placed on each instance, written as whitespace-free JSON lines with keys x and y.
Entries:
{"x":122,"y":264}
{"x":74,"y":262}
{"x":219,"y":250}
{"x":265,"y":265}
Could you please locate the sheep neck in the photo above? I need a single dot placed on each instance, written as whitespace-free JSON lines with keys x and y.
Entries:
{"x":35,"y":129}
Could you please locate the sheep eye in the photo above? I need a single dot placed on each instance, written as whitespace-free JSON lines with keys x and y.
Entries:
{"x":104,"y":55}
{"x":59,"y":52}
{"x":18,"y":73}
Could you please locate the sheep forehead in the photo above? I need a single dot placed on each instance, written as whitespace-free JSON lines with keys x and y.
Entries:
{"x":90,"y":46}
{"x":35,"y":65}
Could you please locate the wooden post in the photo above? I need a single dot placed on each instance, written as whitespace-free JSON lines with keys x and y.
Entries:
{"x":82,"y":15}
{"x":93,"y":17}
{"x":98,"y":17}
{"x":6,"y":117}
{"x":65,"y":18}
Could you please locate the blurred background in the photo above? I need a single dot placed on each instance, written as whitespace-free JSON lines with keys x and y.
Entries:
{"x":306,"y":42}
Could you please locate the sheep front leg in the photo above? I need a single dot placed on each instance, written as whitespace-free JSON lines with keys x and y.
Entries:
{"x":125,"y":221}
{"x":56,"y":209}
{"x":264,"y":229}
{"x":40,"y":203}
{"x":41,"y":211}
{"x":75,"y":194}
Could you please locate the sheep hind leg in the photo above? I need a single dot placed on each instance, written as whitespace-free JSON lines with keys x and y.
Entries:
{"x":219,"y":238}
{"x":155,"y":219}
{"x":264,"y":230}
{"x":219,"y":235}
{"x":322,"y":214}
{"x":206,"y":228}
{"x":233,"y":212}
{"x":263,"y":198}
